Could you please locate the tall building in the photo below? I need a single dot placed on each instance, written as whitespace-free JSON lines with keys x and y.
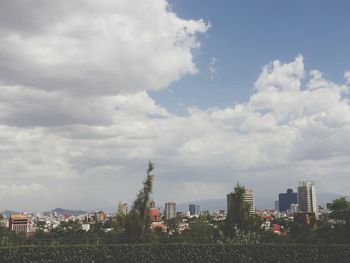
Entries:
{"x":100,"y":216}
{"x":122,"y":209}
{"x":248,"y":197}
{"x":170,"y":210}
{"x":307,"y":198}
{"x":294,"y":208}
{"x":125,"y":209}
{"x":277,"y":205}
{"x":287,"y":199}
{"x":194,"y":209}
{"x":18,"y":223}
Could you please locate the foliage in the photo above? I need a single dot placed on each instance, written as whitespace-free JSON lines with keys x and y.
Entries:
{"x":180,"y":253}
{"x":238,"y":216}
{"x":199,"y":230}
{"x":137,"y":222}
{"x":341,"y":214}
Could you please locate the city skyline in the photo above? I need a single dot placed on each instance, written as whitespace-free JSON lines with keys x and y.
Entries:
{"x":213,"y":205}
{"x":213,"y":94}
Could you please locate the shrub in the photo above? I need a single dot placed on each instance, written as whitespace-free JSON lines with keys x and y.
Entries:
{"x":179,"y":253}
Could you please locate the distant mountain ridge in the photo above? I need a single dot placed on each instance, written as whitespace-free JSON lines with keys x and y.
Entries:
{"x":62,"y":211}
{"x":8,"y":213}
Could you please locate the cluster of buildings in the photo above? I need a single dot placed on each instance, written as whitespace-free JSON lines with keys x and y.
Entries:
{"x":298,"y":206}
{"x":304,"y":201}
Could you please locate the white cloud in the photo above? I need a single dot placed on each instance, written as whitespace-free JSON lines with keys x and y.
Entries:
{"x":76,"y":116}
{"x":347,"y":77}
{"x":88,"y":47}
{"x":281,"y":133}
{"x":20,"y":190}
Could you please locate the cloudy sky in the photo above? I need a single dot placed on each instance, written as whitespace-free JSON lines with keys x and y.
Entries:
{"x":213,"y":93}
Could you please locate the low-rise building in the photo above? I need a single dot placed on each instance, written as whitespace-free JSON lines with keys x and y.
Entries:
{"x":18,"y":223}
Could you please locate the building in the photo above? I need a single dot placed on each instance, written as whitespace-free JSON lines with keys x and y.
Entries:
{"x":248,"y":197}
{"x":100,"y":216}
{"x":304,"y":218}
{"x":277,"y":205}
{"x":194,"y":209}
{"x":294,"y":208}
{"x":153,"y":204}
{"x":307,"y":198}
{"x":170,"y":210}
{"x":18,"y":223}
{"x":122,"y":209}
{"x":154,"y":215}
{"x":287,"y":199}
{"x":125,"y":209}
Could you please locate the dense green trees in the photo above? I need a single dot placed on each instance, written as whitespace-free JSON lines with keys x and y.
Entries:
{"x":341,"y":215}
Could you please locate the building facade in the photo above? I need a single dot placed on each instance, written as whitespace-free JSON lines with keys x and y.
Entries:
{"x":170,"y":210}
{"x":307,"y":198}
{"x":287,"y":199}
{"x":248,"y":197}
{"x":154,"y":215}
{"x":194,"y":209}
{"x":18,"y":223}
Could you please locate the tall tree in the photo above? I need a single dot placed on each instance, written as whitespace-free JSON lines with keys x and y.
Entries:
{"x":237,"y":210}
{"x":341,"y":213}
{"x":138,"y":221}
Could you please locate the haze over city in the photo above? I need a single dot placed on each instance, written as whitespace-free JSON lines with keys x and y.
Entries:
{"x":213,"y":94}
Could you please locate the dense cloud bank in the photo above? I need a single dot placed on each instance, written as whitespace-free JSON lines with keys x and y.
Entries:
{"x":78,"y":126}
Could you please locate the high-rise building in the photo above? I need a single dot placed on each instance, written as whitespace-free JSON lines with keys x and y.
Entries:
{"x":307,"y":198}
{"x":125,"y":208}
{"x":100,"y":216}
{"x":248,"y":197}
{"x":122,"y":209}
{"x":277,"y":205}
{"x":286,"y":199}
{"x":294,"y":208}
{"x":170,"y":210}
{"x":194,"y":209}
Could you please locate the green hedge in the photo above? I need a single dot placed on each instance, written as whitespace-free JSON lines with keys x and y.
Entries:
{"x":180,"y":253}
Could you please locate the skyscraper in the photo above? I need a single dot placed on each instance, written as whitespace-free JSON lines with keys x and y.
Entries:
{"x":286,"y":199}
{"x":248,"y":197}
{"x":194,"y":209}
{"x":307,"y":198}
{"x":170,"y":210}
{"x":277,"y":205}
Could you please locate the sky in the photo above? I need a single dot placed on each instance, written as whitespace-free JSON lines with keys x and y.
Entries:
{"x":213,"y":92}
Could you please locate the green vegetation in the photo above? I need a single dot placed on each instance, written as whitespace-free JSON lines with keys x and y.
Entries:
{"x":137,"y":223}
{"x":179,"y":253}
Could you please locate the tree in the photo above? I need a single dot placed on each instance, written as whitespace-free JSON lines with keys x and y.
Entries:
{"x":341,"y":210}
{"x":199,"y":231}
{"x":238,"y":211}
{"x":341,"y":214}
{"x":137,"y":222}
{"x":173,"y":226}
